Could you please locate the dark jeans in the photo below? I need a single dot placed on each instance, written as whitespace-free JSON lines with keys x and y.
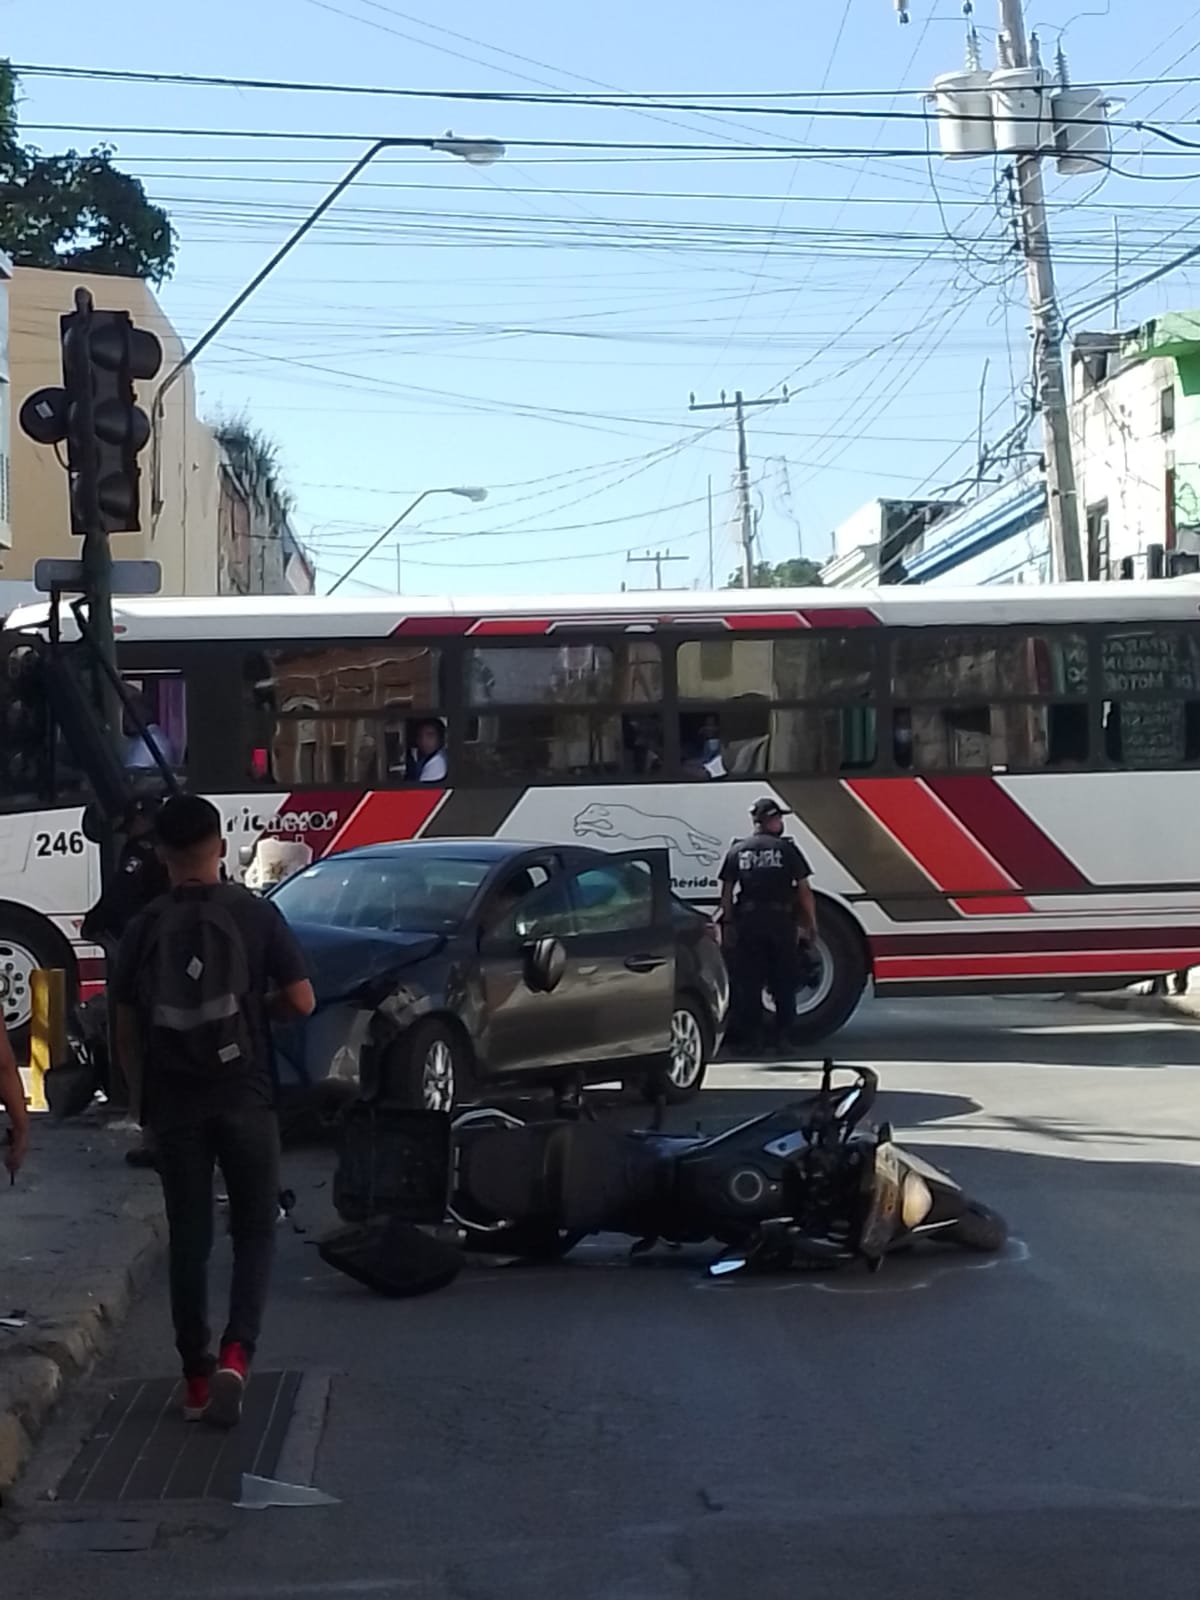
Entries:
{"x":764,"y":955}
{"x":245,"y":1145}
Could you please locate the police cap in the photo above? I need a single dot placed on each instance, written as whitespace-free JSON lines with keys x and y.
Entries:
{"x":763,"y":810}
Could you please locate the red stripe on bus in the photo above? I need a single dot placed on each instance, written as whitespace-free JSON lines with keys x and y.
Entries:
{"x":1008,"y":833}
{"x":1066,"y":964}
{"x":840,"y":617}
{"x":935,"y":838}
{"x":431,"y":625}
{"x":507,"y":626}
{"x":386,"y":815}
{"x":1030,"y":941}
{"x":744,"y":620}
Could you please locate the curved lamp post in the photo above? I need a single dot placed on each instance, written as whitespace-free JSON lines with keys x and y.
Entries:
{"x":477,"y":495}
{"x":475,"y":152}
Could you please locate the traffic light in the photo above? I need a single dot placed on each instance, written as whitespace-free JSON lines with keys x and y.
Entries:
{"x":27,"y":725}
{"x":97,"y":415}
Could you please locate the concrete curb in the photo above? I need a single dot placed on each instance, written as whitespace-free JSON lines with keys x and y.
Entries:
{"x":38,"y":1363}
{"x":1185,"y":1007}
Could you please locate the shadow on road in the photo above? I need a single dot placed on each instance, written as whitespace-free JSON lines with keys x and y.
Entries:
{"x":1053,"y":1035}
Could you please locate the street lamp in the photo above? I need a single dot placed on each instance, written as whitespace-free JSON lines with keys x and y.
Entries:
{"x":475,"y":152}
{"x":474,"y":494}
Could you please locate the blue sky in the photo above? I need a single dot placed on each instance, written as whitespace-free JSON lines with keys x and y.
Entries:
{"x":536,"y":328}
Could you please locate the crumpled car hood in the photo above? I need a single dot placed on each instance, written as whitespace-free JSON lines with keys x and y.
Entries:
{"x":350,"y":970}
{"x":344,"y":961}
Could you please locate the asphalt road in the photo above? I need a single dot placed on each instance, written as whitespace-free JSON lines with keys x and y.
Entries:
{"x":1025,"y":1426}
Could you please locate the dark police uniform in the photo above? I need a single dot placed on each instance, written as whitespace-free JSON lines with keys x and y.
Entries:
{"x":140,"y":878}
{"x":764,"y":871}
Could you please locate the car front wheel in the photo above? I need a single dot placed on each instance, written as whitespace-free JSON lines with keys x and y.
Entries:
{"x":428,"y":1069}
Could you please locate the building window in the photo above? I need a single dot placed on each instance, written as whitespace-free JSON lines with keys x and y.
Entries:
{"x":1166,"y":409}
{"x":1097,"y":541}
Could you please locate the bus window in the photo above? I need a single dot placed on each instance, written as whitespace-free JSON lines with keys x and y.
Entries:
{"x":1151,"y":713}
{"x":359,"y":679}
{"x":528,"y":745}
{"x":727,"y":743}
{"x":1028,"y":736}
{"x":628,"y":673}
{"x":820,"y":666}
{"x":323,"y":750}
{"x":160,"y":701}
{"x":822,"y":739}
{"x":987,"y":664}
{"x":642,"y":739}
{"x":342,"y":714}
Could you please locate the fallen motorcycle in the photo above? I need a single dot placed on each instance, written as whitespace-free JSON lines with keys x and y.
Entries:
{"x":809,"y":1185}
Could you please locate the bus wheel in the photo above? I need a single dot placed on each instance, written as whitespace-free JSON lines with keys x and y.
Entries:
{"x":839,"y":977}
{"x":28,"y":942}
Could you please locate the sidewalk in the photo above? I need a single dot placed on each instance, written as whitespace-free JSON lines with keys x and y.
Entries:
{"x":77,"y":1234}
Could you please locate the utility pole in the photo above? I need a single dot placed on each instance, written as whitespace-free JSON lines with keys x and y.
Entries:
{"x":745,"y":511}
{"x":657,"y":557}
{"x":1062,"y":500}
{"x":712,"y":577}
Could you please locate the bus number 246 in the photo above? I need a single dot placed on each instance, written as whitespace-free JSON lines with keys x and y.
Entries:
{"x":59,"y":844}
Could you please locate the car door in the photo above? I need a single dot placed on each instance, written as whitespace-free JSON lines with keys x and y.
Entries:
{"x":621,"y":953}
{"x":524,"y":1029}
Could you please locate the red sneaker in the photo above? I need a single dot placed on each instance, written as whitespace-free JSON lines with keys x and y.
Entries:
{"x":228,"y":1386}
{"x":195,"y":1398}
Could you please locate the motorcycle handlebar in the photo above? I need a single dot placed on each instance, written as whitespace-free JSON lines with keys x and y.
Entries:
{"x":866,"y":1089}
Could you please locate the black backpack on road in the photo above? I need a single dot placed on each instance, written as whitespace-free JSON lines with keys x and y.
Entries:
{"x":196,"y":974}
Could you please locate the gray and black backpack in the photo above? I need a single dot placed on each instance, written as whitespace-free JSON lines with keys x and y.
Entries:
{"x":197,"y":978}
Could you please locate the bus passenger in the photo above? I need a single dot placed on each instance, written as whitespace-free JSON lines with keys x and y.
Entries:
{"x":427,"y":762}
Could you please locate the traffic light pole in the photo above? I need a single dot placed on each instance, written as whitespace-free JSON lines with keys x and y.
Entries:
{"x":96,"y":558}
{"x":95,"y":413}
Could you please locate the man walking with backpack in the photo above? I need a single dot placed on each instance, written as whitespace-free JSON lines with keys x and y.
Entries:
{"x":199,"y":975}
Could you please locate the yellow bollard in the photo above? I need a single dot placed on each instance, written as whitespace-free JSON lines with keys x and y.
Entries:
{"x":47,"y":1030}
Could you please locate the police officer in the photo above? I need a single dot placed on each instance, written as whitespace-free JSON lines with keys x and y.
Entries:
{"x":140,"y":878}
{"x":766,"y":906}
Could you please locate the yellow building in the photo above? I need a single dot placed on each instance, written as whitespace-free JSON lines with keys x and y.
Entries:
{"x":184,"y":538}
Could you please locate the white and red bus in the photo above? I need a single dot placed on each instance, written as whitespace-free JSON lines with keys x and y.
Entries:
{"x":994,"y":786}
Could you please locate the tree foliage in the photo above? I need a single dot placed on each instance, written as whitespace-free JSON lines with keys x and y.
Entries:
{"x":255,"y":458}
{"x":798,"y":573}
{"x":75,"y":212}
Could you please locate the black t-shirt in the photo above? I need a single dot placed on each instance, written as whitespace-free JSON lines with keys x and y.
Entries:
{"x":276,"y":961}
{"x":765,"y":870}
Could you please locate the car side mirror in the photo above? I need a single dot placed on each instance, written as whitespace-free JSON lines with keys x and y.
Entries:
{"x":545,"y":963}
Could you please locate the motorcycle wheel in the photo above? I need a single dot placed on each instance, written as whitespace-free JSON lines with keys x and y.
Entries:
{"x":980,"y":1229}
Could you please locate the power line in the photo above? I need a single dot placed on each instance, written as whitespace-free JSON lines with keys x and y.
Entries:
{"x":642,"y":147}
{"x":704,"y":102}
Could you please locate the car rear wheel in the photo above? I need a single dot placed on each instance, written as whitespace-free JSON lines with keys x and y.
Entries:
{"x":691,"y":1047}
{"x":429,"y":1069}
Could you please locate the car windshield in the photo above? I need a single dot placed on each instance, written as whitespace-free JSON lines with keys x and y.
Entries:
{"x":417,"y":893}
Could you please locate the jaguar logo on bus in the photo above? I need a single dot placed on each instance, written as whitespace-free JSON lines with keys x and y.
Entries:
{"x":629,"y":825}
